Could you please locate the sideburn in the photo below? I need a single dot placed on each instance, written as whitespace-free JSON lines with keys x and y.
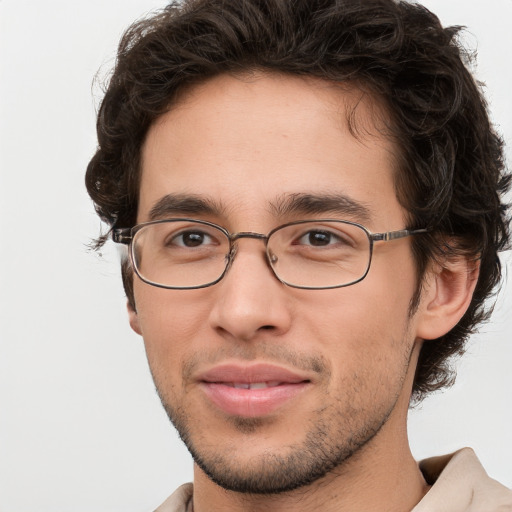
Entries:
{"x":127,"y":277}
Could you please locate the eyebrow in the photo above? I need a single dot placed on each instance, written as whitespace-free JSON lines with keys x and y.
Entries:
{"x":188,"y":204}
{"x":286,"y":205}
{"x":314,"y":204}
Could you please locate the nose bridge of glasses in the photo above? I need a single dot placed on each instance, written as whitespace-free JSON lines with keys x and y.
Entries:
{"x":247,"y":234}
{"x":235,"y":237}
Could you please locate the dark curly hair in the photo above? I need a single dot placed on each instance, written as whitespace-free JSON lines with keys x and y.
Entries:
{"x":451,"y":174}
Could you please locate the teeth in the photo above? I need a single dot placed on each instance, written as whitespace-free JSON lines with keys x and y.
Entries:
{"x":259,"y":385}
{"x":254,"y":385}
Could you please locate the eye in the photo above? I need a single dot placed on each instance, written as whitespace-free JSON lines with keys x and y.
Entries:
{"x":319,"y":238}
{"x":191,"y":239}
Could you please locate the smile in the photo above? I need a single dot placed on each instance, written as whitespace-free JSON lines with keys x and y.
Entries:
{"x":251,"y":391}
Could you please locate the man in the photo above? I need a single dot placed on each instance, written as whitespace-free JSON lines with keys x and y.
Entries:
{"x":311,"y":193}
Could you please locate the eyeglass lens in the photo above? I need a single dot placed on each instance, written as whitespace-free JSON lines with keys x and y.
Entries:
{"x":312,"y":254}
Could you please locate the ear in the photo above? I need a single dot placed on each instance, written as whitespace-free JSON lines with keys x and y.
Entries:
{"x":133,"y":318}
{"x":447,"y":293}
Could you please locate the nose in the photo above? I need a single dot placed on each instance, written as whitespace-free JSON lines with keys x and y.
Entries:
{"x":250,"y":300}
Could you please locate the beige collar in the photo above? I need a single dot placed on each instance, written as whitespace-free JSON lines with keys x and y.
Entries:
{"x":461,"y":485}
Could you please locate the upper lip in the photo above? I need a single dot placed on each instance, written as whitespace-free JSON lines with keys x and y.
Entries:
{"x":251,"y":373}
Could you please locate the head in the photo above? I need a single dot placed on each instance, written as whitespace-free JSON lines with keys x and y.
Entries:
{"x":449,"y":170}
{"x":404,"y":90}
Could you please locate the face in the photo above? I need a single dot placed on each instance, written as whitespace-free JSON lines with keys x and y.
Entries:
{"x":272,"y":387}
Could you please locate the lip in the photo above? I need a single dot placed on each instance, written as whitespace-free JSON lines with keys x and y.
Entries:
{"x":230,"y":388}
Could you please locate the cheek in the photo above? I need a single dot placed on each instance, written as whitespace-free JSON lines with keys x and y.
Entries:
{"x":391,"y":282}
{"x":360,"y":314}
{"x":169,"y":320}
{"x":365,"y":329}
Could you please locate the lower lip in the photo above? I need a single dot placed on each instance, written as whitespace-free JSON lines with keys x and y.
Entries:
{"x":251,"y":403}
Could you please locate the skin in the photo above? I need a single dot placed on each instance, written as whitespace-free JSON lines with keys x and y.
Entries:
{"x":245,"y":143}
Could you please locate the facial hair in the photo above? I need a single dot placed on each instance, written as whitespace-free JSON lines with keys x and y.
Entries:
{"x":339,"y":430}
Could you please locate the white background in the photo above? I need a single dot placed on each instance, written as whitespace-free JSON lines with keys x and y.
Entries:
{"x":81,"y":428}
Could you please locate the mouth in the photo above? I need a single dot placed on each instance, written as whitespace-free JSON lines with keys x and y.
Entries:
{"x":253,"y":385}
{"x":252,"y":391}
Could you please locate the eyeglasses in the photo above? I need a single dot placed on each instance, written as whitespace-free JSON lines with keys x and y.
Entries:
{"x":311,"y":254}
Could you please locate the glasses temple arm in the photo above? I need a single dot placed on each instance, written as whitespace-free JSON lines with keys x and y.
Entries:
{"x":393,"y":235}
{"x":122,"y":236}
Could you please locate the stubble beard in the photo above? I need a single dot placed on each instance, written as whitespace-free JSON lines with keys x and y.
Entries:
{"x":338,"y":429}
{"x":322,"y":451}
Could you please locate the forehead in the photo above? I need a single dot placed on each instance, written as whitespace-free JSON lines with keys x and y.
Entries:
{"x":248,"y":142}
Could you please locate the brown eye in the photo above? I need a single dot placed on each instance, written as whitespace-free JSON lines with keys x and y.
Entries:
{"x":318,"y":238}
{"x":191,"y":239}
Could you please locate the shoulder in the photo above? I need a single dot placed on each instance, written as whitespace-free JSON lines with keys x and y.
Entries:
{"x":179,"y":501}
{"x":460,"y":484}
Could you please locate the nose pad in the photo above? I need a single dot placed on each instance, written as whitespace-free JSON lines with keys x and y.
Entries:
{"x":230,"y":256}
{"x":272,"y":260}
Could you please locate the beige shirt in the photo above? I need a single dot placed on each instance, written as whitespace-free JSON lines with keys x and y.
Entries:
{"x":460,"y":485}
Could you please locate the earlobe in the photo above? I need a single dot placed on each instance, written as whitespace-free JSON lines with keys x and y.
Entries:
{"x":447,"y":295}
{"x":133,"y":318}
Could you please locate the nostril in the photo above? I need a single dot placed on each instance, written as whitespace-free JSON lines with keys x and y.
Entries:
{"x":267,"y":327}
